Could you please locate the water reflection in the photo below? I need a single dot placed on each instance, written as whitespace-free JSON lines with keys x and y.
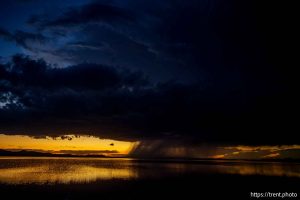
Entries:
{"x":87,"y":170}
{"x":289,"y":170}
{"x":78,"y":174}
{"x":65,"y":171}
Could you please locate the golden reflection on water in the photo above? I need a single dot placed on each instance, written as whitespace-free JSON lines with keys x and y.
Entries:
{"x":239,"y":168}
{"x":266,"y":170}
{"x":62,"y":171}
{"x":83,"y":170}
{"x":79,"y":174}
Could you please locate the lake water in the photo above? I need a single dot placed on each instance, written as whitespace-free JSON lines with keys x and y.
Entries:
{"x":29,"y":170}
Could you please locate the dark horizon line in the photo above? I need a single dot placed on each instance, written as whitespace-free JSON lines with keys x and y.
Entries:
{"x":26,"y":153}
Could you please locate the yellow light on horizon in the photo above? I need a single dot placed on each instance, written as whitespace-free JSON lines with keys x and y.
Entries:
{"x":81,"y":143}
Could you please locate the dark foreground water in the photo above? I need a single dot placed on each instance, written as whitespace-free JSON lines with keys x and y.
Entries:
{"x":104,"y":178}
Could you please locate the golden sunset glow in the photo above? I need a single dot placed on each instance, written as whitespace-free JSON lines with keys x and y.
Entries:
{"x":66,"y":144}
{"x":272,"y":155}
{"x":257,"y":152}
{"x":263,"y":147}
{"x":218,"y":156}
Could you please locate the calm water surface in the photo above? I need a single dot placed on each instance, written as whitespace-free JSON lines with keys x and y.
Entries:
{"x":17,"y":170}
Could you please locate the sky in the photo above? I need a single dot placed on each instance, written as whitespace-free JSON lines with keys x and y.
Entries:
{"x":68,"y":144}
{"x":180,"y":78}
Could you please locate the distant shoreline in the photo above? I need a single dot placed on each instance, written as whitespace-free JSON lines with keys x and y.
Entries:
{"x":24,"y":153}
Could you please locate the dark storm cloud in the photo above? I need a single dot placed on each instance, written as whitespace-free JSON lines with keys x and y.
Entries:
{"x":37,"y":99}
{"x":28,"y":73}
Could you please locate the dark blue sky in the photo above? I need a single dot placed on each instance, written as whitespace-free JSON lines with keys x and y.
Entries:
{"x":166,"y":40}
{"x":15,"y":14}
{"x":133,"y":39}
{"x":214,"y":71}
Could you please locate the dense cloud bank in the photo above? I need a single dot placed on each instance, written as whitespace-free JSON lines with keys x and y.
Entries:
{"x":112,"y":102}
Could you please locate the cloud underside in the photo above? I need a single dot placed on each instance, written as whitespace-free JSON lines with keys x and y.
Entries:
{"x":112,"y":102}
